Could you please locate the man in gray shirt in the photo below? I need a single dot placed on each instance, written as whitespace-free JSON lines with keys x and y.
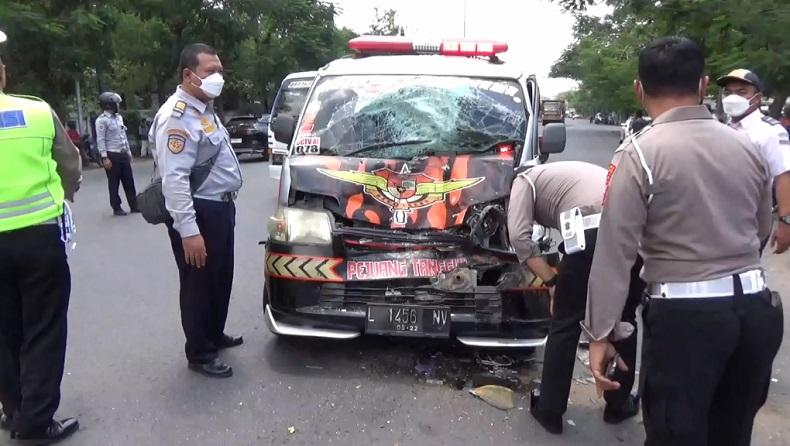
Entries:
{"x":692,"y":196}
{"x":115,"y":153}
{"x":200,"y":178}
{"x":541,"y":195}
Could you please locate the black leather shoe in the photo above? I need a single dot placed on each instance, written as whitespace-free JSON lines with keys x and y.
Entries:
{"x":57,"y":431}
{"x":5,"y":422}
{"x":229,"y":341}
{"x":119,"y":213}
{"x":552,"y":423}
{"x":629,"y":409}
{"x":213,"y":369}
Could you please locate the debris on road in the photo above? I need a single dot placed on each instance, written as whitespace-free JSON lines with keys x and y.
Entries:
{"x":291,"y":430}
{"x":439,"y":367}
{"x":583,"y":356}
{"x":572,"y":423}
{"x":497,"y":396}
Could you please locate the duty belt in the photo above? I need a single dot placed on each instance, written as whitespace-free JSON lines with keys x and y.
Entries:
{"x":751,"y":281}
{"x":572,"y":227}
{"x":225,"y":196}
{"x":591,"y":221}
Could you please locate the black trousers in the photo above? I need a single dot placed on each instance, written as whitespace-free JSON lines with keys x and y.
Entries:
{"x":35,"y":284}
{"x":205,"y":292}
{"x":121,"y":173}
{"x":570,"y":301}
{"x":707,"y":366}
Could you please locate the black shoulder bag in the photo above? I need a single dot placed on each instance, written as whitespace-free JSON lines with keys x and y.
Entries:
{"x":151,"y":201}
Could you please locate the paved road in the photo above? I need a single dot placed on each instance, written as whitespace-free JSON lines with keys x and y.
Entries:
{"x":127,"y":380}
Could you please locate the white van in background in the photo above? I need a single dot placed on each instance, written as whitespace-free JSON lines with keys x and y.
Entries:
{"x":290,"y":100}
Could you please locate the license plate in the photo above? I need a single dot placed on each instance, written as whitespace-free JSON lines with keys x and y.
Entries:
{"x":235,"y":140}
{"x":408,"y":320}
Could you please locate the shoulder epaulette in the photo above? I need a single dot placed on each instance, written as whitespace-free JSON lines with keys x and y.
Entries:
{"x":522,"y":170}
{"x":179,"y":109}
{"x":771,"y":120}
{"x":24,"y":96}
{"x":627,"y":141}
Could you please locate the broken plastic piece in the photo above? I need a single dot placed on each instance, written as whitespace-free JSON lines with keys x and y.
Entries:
{"x":497,"y":396}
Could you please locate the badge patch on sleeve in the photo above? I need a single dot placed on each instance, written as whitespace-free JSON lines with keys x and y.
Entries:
{"x":176,"y":142}
{"x":12,"y":119}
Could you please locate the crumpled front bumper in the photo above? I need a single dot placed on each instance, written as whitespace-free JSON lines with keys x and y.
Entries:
{"x":331,"y":306}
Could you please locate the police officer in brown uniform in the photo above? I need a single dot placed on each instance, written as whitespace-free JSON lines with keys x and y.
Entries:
{"x":543,"y":194}
{"x":692,"y":196}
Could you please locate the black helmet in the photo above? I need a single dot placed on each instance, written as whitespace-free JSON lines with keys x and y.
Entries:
{"x":109,"y":99}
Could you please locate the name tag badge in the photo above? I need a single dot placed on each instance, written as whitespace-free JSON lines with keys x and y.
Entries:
{"x":12,"y":119}
{"x":207,"y":125}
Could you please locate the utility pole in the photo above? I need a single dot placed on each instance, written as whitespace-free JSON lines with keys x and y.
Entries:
{"x":464,"y":18}
{"x":80,"y":115}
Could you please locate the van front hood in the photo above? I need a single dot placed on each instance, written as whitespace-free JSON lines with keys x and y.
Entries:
{"x":431,"y":192}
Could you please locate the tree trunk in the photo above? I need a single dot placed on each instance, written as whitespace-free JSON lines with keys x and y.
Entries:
{"x":780,"y":98}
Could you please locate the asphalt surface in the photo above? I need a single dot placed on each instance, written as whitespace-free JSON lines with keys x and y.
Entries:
{"x":127,"y":381}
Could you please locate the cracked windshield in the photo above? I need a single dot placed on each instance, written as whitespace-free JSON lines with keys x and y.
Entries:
{"x":407,"y":116}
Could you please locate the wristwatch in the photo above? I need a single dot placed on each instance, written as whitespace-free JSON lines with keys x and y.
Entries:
{"x":785,"y":219}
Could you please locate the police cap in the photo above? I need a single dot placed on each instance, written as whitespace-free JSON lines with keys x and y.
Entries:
{"x":742,"y":75}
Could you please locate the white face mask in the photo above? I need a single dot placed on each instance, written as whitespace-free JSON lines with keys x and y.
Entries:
{"x":736,"y":106}
{"x":212,"y":85}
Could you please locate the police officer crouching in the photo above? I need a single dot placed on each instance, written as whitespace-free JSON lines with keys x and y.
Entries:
{"x":554,"y":195}
{"x":39,"y":169}
{"x":200,"y":178}
{"x":116,"y":155}
{"x":692,"y":197}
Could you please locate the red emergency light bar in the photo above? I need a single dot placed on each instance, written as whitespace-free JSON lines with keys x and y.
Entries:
{"x":447,"y":47}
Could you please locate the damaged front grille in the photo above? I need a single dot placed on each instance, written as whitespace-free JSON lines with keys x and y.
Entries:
{"x":485,"y":300}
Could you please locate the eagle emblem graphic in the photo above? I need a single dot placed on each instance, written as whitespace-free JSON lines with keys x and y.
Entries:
{"x":402,"y":191}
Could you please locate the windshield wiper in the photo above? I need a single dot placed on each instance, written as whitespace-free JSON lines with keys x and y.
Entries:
{"x":384,"y":145}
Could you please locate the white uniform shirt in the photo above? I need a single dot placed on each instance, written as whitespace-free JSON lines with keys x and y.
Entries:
{"x":187,"y":133}
{"x":770,"y":137}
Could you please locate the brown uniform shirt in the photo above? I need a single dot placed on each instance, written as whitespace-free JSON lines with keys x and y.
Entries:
{"x":695,"y":204}
{"x":543,"y":192}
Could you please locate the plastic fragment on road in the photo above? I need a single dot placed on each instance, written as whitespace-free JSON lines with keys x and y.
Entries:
{"x":572,"y":423}
{"x":291,"y":430}
{"x":497,"y":396}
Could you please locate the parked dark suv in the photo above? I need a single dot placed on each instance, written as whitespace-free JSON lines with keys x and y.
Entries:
{"x":248,"y":135}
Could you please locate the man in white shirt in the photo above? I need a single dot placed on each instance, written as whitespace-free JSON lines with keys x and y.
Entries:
{"x":743,"y":96}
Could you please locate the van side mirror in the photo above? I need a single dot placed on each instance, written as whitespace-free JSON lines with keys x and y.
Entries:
{"x":283,"y":127}
{"x":553,"y":139}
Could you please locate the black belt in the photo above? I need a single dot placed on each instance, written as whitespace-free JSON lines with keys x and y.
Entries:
{"x":225,"y":196}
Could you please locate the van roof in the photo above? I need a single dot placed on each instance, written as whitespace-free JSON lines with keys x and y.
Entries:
{"x":301,"y":75}
{"x":420,"y":64}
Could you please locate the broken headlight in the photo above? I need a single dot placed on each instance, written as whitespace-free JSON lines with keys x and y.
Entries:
{"x":292,"y":225}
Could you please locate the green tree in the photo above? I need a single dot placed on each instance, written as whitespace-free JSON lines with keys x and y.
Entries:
{"x":733,"y":34}
{"x":132,"y":46}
